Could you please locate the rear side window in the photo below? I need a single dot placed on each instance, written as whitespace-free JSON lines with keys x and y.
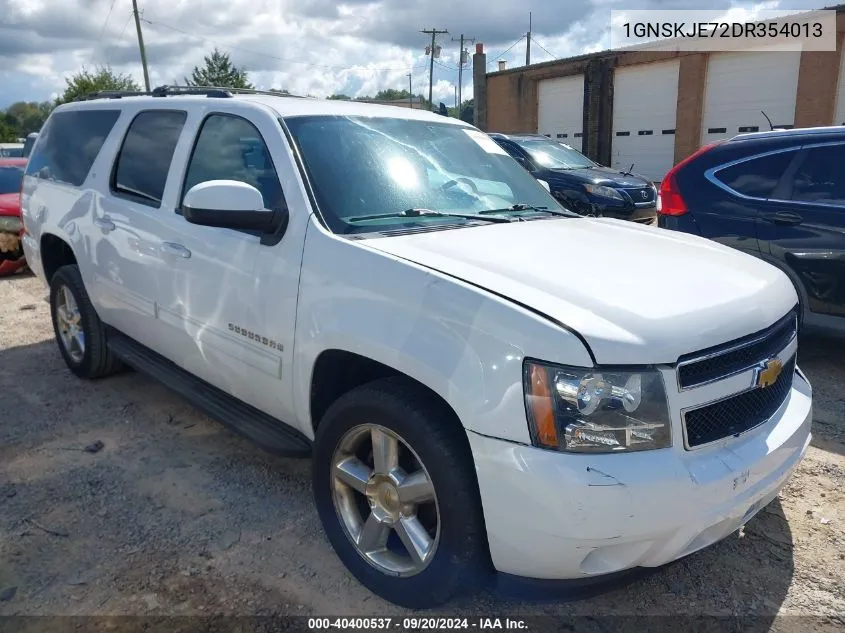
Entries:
{"x":818,"y":178}
{"x":69,"y":143}
{"x":757,"y":177}
{"x":141,"y":168}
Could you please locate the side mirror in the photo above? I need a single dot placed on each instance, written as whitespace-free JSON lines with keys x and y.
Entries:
{"x":229,"y":204}
{"x":545,"y":185}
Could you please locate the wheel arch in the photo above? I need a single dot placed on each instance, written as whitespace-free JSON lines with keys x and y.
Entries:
{"x":56,"y":252}
{"x":337,"y":371}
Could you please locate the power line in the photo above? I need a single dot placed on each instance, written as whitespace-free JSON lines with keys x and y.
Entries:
{"x":269,"y":56}
{"x":504,"y":52}
{"x":102,"y":30}
{"x":461,"y":40}
{"x":434,"y":33}
{"x":110,"y":49}
{"x":534,"y":39}
{"x":141,"y":45}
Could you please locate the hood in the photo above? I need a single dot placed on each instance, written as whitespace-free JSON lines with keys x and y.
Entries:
{"x":10,"y":204}
{"x":637,"y":294}
{"x":597,"y":175}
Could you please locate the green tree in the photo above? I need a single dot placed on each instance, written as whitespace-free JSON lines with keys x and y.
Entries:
{"x":340,"y":97}
{"x":7,"y":132}
{"x":218,"y":70}
{"x":465,"y":112}
{"x":102,"y":78}
{"x":25,"y":117}
{"x":391,"y":94}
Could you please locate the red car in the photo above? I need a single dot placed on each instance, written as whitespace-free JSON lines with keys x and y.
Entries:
{"x":11,"y":227}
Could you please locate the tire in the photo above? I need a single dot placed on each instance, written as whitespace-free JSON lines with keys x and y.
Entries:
{"x":93,"y":359}
{"x":429,"y":437}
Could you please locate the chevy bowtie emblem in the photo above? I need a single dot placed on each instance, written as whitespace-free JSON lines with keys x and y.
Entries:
{"x":767,"y":373}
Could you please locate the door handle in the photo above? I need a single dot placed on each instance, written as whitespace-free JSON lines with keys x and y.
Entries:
{"x":175,"y":250}
{"x":105,"y":224}
{"x":785,"y":217}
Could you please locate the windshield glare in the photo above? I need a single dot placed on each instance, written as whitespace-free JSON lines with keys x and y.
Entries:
{"x":10,"y":179}
{"x":552,"y":155}
{"x":363,"y":166}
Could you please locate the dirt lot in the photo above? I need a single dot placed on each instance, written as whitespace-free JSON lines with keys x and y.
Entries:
{"x":175,"y":515}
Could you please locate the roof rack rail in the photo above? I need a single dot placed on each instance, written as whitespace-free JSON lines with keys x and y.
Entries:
{"x":112,"y":94}
{"x":216,"y":91}
{"x":174,"y":90}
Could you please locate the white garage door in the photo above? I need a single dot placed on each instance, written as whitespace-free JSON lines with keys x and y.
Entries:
{"x":561,"y":109}
{"x":740,"y":85}
{"x":645,"y":99}
{"x":839,"y":116}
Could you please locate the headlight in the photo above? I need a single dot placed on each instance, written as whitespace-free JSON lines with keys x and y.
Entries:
{"x":10,"y":223}
{"x":603,"y":192}
{"x":594,"y":411}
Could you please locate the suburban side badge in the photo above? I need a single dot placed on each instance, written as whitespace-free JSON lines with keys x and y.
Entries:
{"x":254,"y":336}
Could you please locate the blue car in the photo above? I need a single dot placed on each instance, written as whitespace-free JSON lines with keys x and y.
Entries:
{"x":581,"y":184}
{"x":777,"y":195}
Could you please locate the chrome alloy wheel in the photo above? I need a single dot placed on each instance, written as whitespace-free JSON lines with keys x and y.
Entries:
{"x":69,"y":320}
{"x":385,"y":500}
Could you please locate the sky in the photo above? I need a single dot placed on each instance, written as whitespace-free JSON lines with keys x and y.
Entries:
{"x":316,"y":47}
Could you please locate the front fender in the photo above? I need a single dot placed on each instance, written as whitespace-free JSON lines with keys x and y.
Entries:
{"x":462,"y":342}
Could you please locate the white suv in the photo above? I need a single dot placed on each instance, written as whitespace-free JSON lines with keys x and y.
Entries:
{"x":558,"y":398}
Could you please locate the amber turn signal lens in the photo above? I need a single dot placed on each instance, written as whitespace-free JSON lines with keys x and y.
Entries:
{"x":542,"y":406}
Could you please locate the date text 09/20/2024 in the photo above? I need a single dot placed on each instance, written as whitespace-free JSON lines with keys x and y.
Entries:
{"x":417,"y":624}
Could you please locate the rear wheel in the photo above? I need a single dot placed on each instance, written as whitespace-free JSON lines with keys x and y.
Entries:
{"x":80,"y":334}
{"x":396,"y":492}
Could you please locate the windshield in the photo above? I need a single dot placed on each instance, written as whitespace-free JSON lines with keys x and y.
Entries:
{"x":553,"y":155}
{"x":10,"y":179}
{"x":364,"y":166}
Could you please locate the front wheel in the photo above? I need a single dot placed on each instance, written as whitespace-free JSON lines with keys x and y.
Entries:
{"x":397,"y":495}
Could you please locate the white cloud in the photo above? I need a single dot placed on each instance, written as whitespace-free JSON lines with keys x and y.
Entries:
{"x":314,"y":47}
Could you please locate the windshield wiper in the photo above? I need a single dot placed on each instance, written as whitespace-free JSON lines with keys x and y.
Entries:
{"x":429,"y":213}
{"x":531,"y":207}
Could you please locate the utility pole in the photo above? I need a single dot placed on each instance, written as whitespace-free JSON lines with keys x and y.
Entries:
{"x":528,"y":43}
{"x":141,"y":44}
{"x":434,"y":33}
{"x":462,"y":39}
{"x":410,"y":92}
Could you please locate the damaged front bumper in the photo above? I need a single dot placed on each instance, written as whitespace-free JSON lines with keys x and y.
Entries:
{"x":553,"y":515}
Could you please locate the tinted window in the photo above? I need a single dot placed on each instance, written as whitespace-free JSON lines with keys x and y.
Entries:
{"x":362,"y":167}
{"x":69,"y":143}
{"x":757,"y":177}
{"x":230,"y":148}
{"x":819,"y":177}
{"x":27,"y":146}
{"x":11,"y":152}
{"x":10,"y":179}
{"x":144,"y":160}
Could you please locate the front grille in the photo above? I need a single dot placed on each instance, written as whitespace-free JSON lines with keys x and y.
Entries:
{"x":738,"y":355}
{"x":637,"y":194}
{"x":740,"y":413}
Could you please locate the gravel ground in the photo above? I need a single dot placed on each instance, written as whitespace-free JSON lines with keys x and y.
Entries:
{"x":177,"y":516}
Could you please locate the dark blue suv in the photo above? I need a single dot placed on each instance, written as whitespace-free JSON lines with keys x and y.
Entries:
{"x":778,"y":195}
{"x":580,"y":184}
